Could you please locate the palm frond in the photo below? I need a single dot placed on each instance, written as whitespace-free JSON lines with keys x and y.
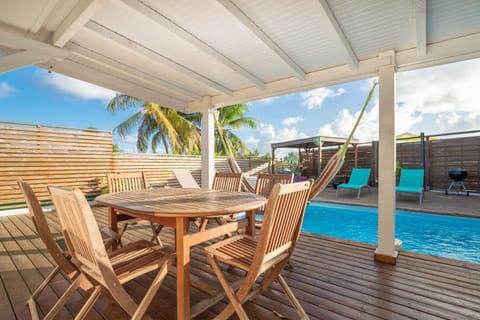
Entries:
{"x":122,"y":102}
{"x":127,"y":126}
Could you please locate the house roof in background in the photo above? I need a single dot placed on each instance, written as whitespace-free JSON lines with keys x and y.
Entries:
{"x":190,"y":54}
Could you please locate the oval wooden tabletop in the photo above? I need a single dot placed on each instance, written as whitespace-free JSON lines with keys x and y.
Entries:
{"x":182,"y":202}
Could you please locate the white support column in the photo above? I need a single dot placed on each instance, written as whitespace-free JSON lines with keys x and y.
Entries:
{"x":385,"y":251}
{"x":208,"y":141}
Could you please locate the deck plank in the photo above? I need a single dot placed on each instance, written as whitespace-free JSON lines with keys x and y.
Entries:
{"x":11,"y":277}
{"x":333,"y":279}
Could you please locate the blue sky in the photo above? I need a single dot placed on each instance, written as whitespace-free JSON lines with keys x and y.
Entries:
{"x":433,"y":100}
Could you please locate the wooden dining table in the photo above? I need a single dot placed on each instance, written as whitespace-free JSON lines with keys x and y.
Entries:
{"x":174,"y":207}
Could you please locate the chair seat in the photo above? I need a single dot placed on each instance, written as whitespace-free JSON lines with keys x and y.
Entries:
{"x":358,"y":180}
{"x":237,"y":251}
{"x":268,"y":255}
{"x":350,"y":186}
{"x":107,"y":272}
{"x":139,"y":257}
{"x":408,"y":189}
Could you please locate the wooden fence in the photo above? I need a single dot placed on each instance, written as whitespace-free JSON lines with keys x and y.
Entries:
{"x":47,"y":155}
{"x":69,"y":157}
{"x":441,"y":156}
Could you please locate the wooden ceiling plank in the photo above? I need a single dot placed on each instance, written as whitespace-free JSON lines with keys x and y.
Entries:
{"x":42,"y":16}
{"x":153,"y":56}
{"x":21,"y":59}
{"x":421,"y":26}
{"x":76,"y":19}
{"x":127,"y":70}
{"x":250,"y":25}
{"x":347,"y":49}
{"x":16,"y":41}
{"x":89,"y":73}
{"x":170,"y":25}
{"x":448,"y":51}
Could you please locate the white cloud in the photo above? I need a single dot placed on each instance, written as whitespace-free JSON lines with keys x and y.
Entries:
{"x":314,"y":98}
{"x":77,"y":88}
{"x":268,"y":100}
{"x":6,"y":89}
{"x":252,"y":141}
{"x":368,"y":128}
{"x":292,"y":120}
{"x":434,"y":100}
{"x":446,"y":95}
{"x":343,"y":124}
{"x":266,"y":134}
{"x":286,"y":134}
{"x":367,"y":85}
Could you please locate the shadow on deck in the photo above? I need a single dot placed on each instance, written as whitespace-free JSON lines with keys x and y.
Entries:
{"x":333,"y":279}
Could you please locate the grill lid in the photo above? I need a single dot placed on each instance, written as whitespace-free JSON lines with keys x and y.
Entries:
{"x":457,"y":174}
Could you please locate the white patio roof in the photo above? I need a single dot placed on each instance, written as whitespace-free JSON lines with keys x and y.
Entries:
{"x":175,"y":52}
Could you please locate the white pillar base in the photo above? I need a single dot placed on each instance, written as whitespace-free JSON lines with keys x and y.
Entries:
{"x":388,"y":259}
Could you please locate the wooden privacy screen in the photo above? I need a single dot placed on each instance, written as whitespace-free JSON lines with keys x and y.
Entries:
{"x":80,"y":158}
{"x":43,"y":155}
{"x":441,"y":155}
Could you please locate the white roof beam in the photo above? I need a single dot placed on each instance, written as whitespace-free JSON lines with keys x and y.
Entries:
{"x":421,"y":26}
{"x":158,"y":18}
{"x":453,"y":50}
{"x":350,"y":56}
{"x":153,"y":56}
{"x":21,"y":59}
{"x":89,"y":73}
{"x":249,"y":24}
{"x":131,"y":72}
{"x":42,"y":16}
{"x":75,"y":20}
{"x":13,"y":40}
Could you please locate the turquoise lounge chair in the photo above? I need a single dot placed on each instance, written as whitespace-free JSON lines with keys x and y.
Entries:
{"x":358,"y":180}
{"x":411,"y":181}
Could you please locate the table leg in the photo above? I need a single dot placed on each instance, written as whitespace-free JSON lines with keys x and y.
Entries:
{"x":183,"y":268}
{"x":112,"y":224}
{"x":250,"y":230}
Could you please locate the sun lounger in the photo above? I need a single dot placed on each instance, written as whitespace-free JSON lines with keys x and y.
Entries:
{"x":358,"y":180}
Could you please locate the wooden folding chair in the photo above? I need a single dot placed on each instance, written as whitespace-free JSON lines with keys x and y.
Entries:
{"x":104,"y":271}
{"x":267,"y":255}
{"x":56,"y":248}
{"x":266,"y":181}
{"x":223,"y":181}
{"x":119,"y":182}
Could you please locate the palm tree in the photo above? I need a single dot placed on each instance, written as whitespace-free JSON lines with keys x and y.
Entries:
{"x":178,"y":131}
{"x":231,"y":117}
{"x":157,"y":125}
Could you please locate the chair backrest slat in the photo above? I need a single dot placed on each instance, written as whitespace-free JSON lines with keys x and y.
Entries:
{"x":266,"y":181}
{"x":283,"y":219}
{"x":119,"y":182}
{"x":225,"y":181}
{"x":41,"y":225}
{"x":81,"y":232}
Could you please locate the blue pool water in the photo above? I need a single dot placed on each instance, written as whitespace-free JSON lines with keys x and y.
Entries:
{"x":439,"y":235}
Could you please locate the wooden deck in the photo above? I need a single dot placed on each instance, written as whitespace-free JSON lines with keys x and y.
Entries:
{"x":333,"y":280}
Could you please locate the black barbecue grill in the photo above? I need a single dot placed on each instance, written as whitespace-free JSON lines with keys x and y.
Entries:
{"x":457,"y":176}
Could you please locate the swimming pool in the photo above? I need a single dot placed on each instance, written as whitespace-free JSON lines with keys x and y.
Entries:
{"x":438,"y":235}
